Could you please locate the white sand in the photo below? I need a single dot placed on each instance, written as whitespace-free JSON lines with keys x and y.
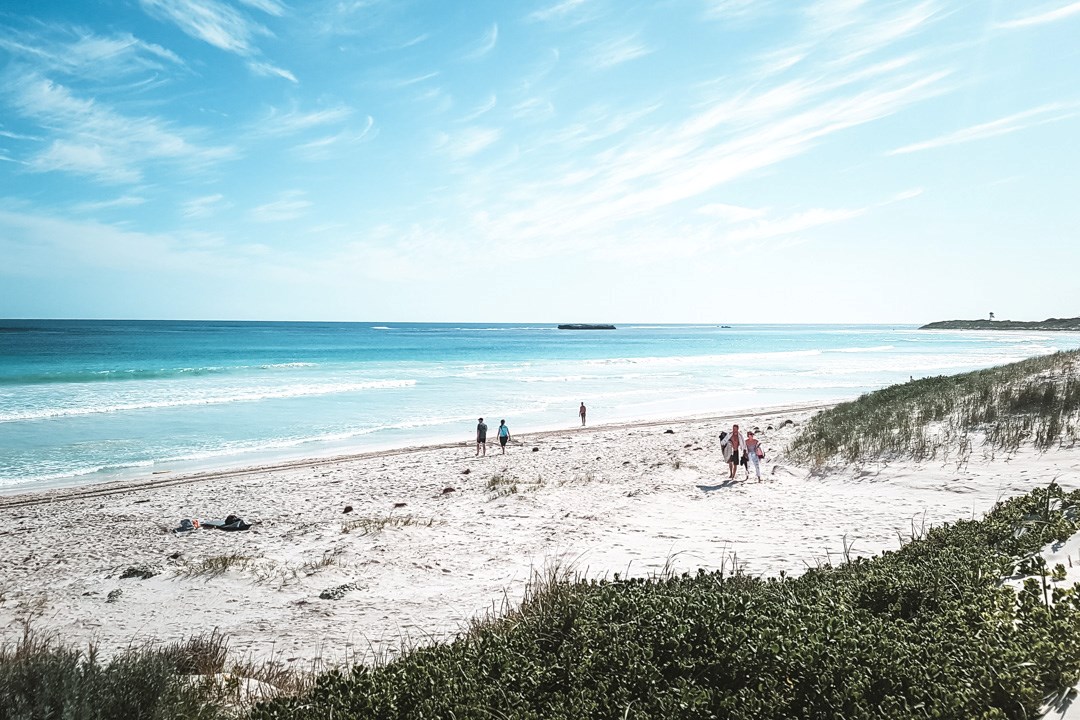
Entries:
{"x":618,"y":499}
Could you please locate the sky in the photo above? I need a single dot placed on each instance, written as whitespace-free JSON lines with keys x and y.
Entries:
{"x":863,"y":161}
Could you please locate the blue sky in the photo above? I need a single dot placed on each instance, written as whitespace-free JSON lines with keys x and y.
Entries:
{"x":544,"y":160}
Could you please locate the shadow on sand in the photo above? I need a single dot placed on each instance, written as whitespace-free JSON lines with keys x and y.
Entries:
{"x":721,"y":486}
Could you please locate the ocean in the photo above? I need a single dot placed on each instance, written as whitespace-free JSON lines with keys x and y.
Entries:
{"x":88,"y":401}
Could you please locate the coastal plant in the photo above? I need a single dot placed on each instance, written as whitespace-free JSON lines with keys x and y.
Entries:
{"x":928,"y":630}
{"x":41,"y":678}
{"x":217,"y":565}
{"x":1034,"y":401}
{"x":369,"y":525}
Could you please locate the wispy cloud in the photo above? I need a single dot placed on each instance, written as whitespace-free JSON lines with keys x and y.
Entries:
{"x":1041,"y":115}
{"x":270,"y":7}
{"x":77,"y":52}
{"x":731,"y":213}
{"x":20,"y":136}
{"x":616,"y":52}
{"x":278,"y":122}
{"x":203,"y":207}
{"x":485,"y":44}
{"x":1047,"y":16}
{"x":467,"y":142}
{"x":765,"y":229}
{"x":533,"y":108}
{"x":124,"y":201}
{"x":289,"y":206}
{"x":92,"y":139}
{"x":223,"y":26}
{"x":328,"y":146}
{"x":267,"y":70}
{"x":737,"y":10}
{"x":558,"y":11}
{"x":481,"y":109}
{"x":415,"y":80}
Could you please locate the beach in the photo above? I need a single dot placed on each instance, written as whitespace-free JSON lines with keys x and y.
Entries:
{"x":437,"y":537}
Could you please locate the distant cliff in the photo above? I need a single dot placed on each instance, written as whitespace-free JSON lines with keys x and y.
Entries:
{"x":580,"y":326}
{"x":1048,"y":324}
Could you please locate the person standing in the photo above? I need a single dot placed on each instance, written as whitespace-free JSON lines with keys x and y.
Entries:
{"x":725,"y":447}
{"x":754,"y":453}
{"x":736,"y":446}
{"x":504,"y":435}
{"x":581,"y":412}
{"x":481,"y":437}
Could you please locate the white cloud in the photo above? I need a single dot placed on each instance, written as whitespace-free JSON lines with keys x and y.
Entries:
{"x":267,"y":70}
{"x":1047,"y":16}
{"x":616,"y":52}
{"x":1042,"y":115}
{"x":467,"y":142}
{"x":202,"y":207}
{"x":270,"y":7}
{"x":484,"y":107}
{"x":485,"y":44}
{"x":124,"y":201}
{"x":223,"y":26}
{"x":730,"y":213}
{"x":737,"y":10}
{"x":767,"y":229}
{"x":329,"y":146}
{"x":558,"y":11}
{"x":289,"y":206}
{"x":278,"y":122}
{"x":92,"y":139}
{"x":75,"y":51}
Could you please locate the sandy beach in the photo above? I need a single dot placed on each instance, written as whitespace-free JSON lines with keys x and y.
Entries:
{"x":436,"y":536}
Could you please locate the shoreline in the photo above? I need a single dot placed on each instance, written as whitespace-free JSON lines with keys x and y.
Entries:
{"x":21,"y":497}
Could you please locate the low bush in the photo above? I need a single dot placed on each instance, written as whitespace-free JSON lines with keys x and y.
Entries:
{"x":40,"y":678}
{"x":1036,"y":400}
{"x":927,"y":631}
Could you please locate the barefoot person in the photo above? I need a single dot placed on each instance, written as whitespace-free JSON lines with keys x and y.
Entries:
{"x":481,"y":437}
{"x":754,"y":453}
{"x":581,"y":412}
{"x":736,"y":448}
{"x":504,"y":435}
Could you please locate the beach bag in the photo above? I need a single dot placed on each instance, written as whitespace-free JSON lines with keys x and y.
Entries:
{"x":760,"y":453}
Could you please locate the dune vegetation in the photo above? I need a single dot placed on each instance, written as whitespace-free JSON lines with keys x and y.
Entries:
{"x":997,"y":410}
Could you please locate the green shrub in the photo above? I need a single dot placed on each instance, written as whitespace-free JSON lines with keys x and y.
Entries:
{"x":1036,"y":400}
{"x":925,"y":631}
{"x":40,"y":678}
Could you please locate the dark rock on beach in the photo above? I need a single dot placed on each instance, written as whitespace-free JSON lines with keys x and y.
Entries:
{"x":347,"y":510}
{"x":142,"y":573}
{"x":336,"y":593}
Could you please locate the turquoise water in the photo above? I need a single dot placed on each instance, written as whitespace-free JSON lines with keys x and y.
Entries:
{"x":85,"y":401}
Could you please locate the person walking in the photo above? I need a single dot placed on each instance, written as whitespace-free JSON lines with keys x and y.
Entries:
{"x":481,"y":437}
{"x":725,"y":447}
{"x":754,"y":453}
{"x":504,"y":435}
{"x":581,"y":412}
{"x":736,"y":447}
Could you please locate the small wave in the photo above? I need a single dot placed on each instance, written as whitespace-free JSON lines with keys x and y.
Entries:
{"x":380,"y":327}
{"x":251,"y":396}
{"x":877,"y":348}
{"x":72,"y":473}
{"x":134,"y":374}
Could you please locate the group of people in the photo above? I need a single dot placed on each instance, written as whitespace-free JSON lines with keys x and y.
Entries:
{"x":736,"y":449}
{"x":504,"y":433}
{"x":741,"y":451}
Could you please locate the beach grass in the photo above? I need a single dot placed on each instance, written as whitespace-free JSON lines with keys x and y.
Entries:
{"x":369,"y":525}
{"x":925,"y":631}
{"x":996,"y":410}
{"x":217,"y":565}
